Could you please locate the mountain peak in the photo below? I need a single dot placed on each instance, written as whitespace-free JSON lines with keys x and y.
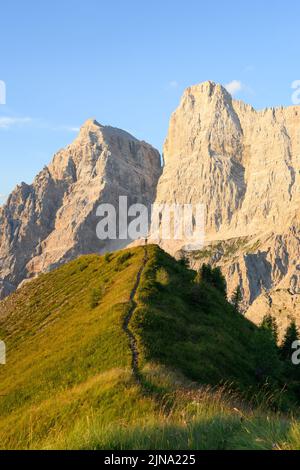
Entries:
{"x":101,"y":163}
{"x":243,"y":166}
{"x":208,"y":88}
{"x":90,"y":123}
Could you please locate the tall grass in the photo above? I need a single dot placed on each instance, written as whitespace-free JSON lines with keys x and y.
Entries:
{"x":203,"y":419}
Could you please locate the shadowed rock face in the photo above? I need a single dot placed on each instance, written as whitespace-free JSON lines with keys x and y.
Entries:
{"x":54,"y":220}
{"x":244,"y":166}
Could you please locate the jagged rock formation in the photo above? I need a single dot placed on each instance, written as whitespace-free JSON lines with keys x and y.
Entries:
{"x":244,"y":166}
{"x":54,"y":219}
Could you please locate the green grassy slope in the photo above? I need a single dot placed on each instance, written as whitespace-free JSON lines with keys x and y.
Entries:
{"x":207,"y":340}
{"x":68,"y":381}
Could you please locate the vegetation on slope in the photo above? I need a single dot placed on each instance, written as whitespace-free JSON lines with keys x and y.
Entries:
{"x":68,"y":381}
{"x":193,"y":328}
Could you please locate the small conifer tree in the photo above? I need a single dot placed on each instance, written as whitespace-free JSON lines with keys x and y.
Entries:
{"x":183,"y":261}
{"x":237,"y":298}
{"x":290,"y":336}
{"x":269,"y":324}
{"x":219,"y":282}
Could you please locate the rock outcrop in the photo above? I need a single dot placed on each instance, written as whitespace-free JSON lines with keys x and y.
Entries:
{"x":244,"y":166}
{"x":53,"y":220}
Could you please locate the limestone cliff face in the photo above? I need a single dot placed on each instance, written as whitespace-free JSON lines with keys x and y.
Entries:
{"x":54,"y":220}
{"x":244,"y":166}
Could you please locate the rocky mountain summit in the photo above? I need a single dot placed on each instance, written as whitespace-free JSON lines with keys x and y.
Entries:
{"x":53,"y":220}
{"x":244,"y":166}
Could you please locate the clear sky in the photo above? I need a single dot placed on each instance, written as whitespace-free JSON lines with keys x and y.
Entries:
{"x":126,"y":63}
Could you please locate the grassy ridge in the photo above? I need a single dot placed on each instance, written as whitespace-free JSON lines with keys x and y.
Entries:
{"x":68,"y":381}
{"x":62,"y":349}
{"x":206,"y":340}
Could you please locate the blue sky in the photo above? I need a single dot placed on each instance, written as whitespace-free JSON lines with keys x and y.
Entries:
{"x":126,"y":63}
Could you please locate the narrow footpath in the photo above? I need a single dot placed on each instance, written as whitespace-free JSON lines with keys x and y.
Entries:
{"x":126,"y":324}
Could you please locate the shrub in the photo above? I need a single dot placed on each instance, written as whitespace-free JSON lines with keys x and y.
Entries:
{"x":219,"y":282}
{"x":183,"y":261}
{"x":291,"y":335}
{"x":267,"y":359}
{"x":206,"y":273}
{"x":83,"y":266}
{"x":96,"y":296}
{"x":214,"y":277}
{"x":123,"y":258}
{"x":107,"y":257}
{"x":162,"y":277}
{"x":269,"y":324}
{"x":237,"y":298}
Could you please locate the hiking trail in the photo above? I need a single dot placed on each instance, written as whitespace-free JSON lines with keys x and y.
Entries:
{"x":126,"y":324}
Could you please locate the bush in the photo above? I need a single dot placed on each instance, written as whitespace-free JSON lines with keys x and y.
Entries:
{"x":183,"y":261}
{"x":219,"y":282}
{"x":269,"y":324}
{"x":237,"y":298}
{"x":123,"y":258}
{"x":162,"y":277}
{"x":267,"y":359}
{"x":206,"y":273}
{"x":96,"y":296}
{"x":214,"y":277}
{"x":291,"y":335}
{"x":83,"y":266}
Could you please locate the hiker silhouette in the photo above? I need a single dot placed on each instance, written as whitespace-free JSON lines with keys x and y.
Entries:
{"x":2,"y":353}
